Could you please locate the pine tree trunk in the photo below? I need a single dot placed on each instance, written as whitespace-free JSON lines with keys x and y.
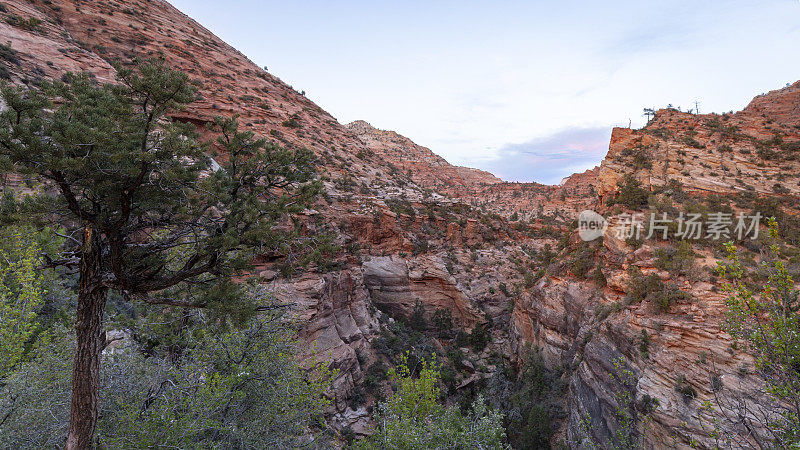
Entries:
{"x":90,"y":341}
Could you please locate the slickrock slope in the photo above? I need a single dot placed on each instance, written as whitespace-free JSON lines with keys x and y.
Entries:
{"x":756,"y":149}
{"x":424,"y":167}
{"x":561,"y":203}
{"x":418,"y":237}
{"x":479,"y":188}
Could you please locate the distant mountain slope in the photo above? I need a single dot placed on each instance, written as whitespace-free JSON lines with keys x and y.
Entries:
{"x":425,"y":167}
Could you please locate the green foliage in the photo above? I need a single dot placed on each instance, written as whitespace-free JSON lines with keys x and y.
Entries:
{"x":119,"y":165}
{"x":479,"y":337}
{"x":38,"y":393}
{"x":692,"y":142}
{"x":631,"y":194}
{"x":533,"y":406}
{"x":650,"y":288}
{"x":599,"y":278}
{"x":412,"y":419}
{"x":678,"y":260}
{"x":504,"y":289}
{"x":582,"y":261}
{"x":292,"y":122}
{"x":159,"y":219}
{"x":644,"y":344}
{"x":639,"y":158}
{"x":415,"y":397}
{"x":443,"y":321}
{"x":21,"y":294}
{"x":240,"y":388}
{"x":8,"y":54}
{"x":768,"y":325}
{"x":29,"y":24}
{"x":417,"y":320}
{"x":10,"y":57}
{"x":685,"y":389}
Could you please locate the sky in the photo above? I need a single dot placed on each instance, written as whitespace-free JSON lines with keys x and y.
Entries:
{"x":528,"y":90}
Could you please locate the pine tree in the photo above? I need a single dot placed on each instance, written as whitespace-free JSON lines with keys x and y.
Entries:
{"x":151,"y":215}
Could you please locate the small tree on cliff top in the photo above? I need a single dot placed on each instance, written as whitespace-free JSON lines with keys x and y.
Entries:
{"x":150,"y":214}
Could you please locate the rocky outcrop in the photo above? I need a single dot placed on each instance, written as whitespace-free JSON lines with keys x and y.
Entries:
{"x":397,"y":285}
{"x":756,"y":150}
{"x":420,"y":164}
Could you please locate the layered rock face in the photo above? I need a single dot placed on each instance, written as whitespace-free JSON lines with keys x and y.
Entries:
{"x":477,"y":187}
{"x":416,"y":232}
{"x":741,"y":162}
{"x":397,"y":285}
{"x":755,"y":149}
{"x":420,"y":164}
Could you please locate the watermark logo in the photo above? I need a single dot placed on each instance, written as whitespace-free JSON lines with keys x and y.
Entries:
{"x":689,"y":226}
{"x":591,"y":225}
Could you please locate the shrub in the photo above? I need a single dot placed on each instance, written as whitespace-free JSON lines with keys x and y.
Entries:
{"x":685,"y":389}
{"x":582,"y":262}
{"x":504,"y":289}
{"x":644,"y":344}
{"x":479,"y":337}
{"x":443,"y":321}
{"x":29,"y":24}
{"x":21,"y":295}
{"x":292,"y":122}
{"x":692,"y":142}
{"x":647,"y":404}
{"x":8,"y":54}
{"x":640,"y":159}
{"x":652,"y":289}
{"x":417,"y":320}
{"x":631,"y":193}
{"x":412,"y":419}
{"x":374,"y":376}
{"x":599,"y":278}
{"x":678,"y":260}
{"x":201,"y":398}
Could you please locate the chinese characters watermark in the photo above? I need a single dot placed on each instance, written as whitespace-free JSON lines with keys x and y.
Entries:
{"x":689,"y":226}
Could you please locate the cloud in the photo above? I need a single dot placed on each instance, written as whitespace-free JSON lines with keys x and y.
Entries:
{"x":549,"y":159}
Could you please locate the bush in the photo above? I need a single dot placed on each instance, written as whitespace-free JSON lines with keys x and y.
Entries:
{"x":582,"y":262}
{"x":644,"y":344}
{"x":21,"y":295}
{"x":29,"y":24}
{"x":631,"y":194}
{"x":374,"y":376}
{"x":479,"y":337}
{"x":678,"y":260}
{"x":652,"y":289}
{"x":685,"y":389}
{"x":599,"y":278}
{"x":417,"y":320}
{"x":639,"y":157}
{"x":412,"y":419}
{"x":8,"y":54}
{"x":443,"y":321}
{"x":233,"y":389}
